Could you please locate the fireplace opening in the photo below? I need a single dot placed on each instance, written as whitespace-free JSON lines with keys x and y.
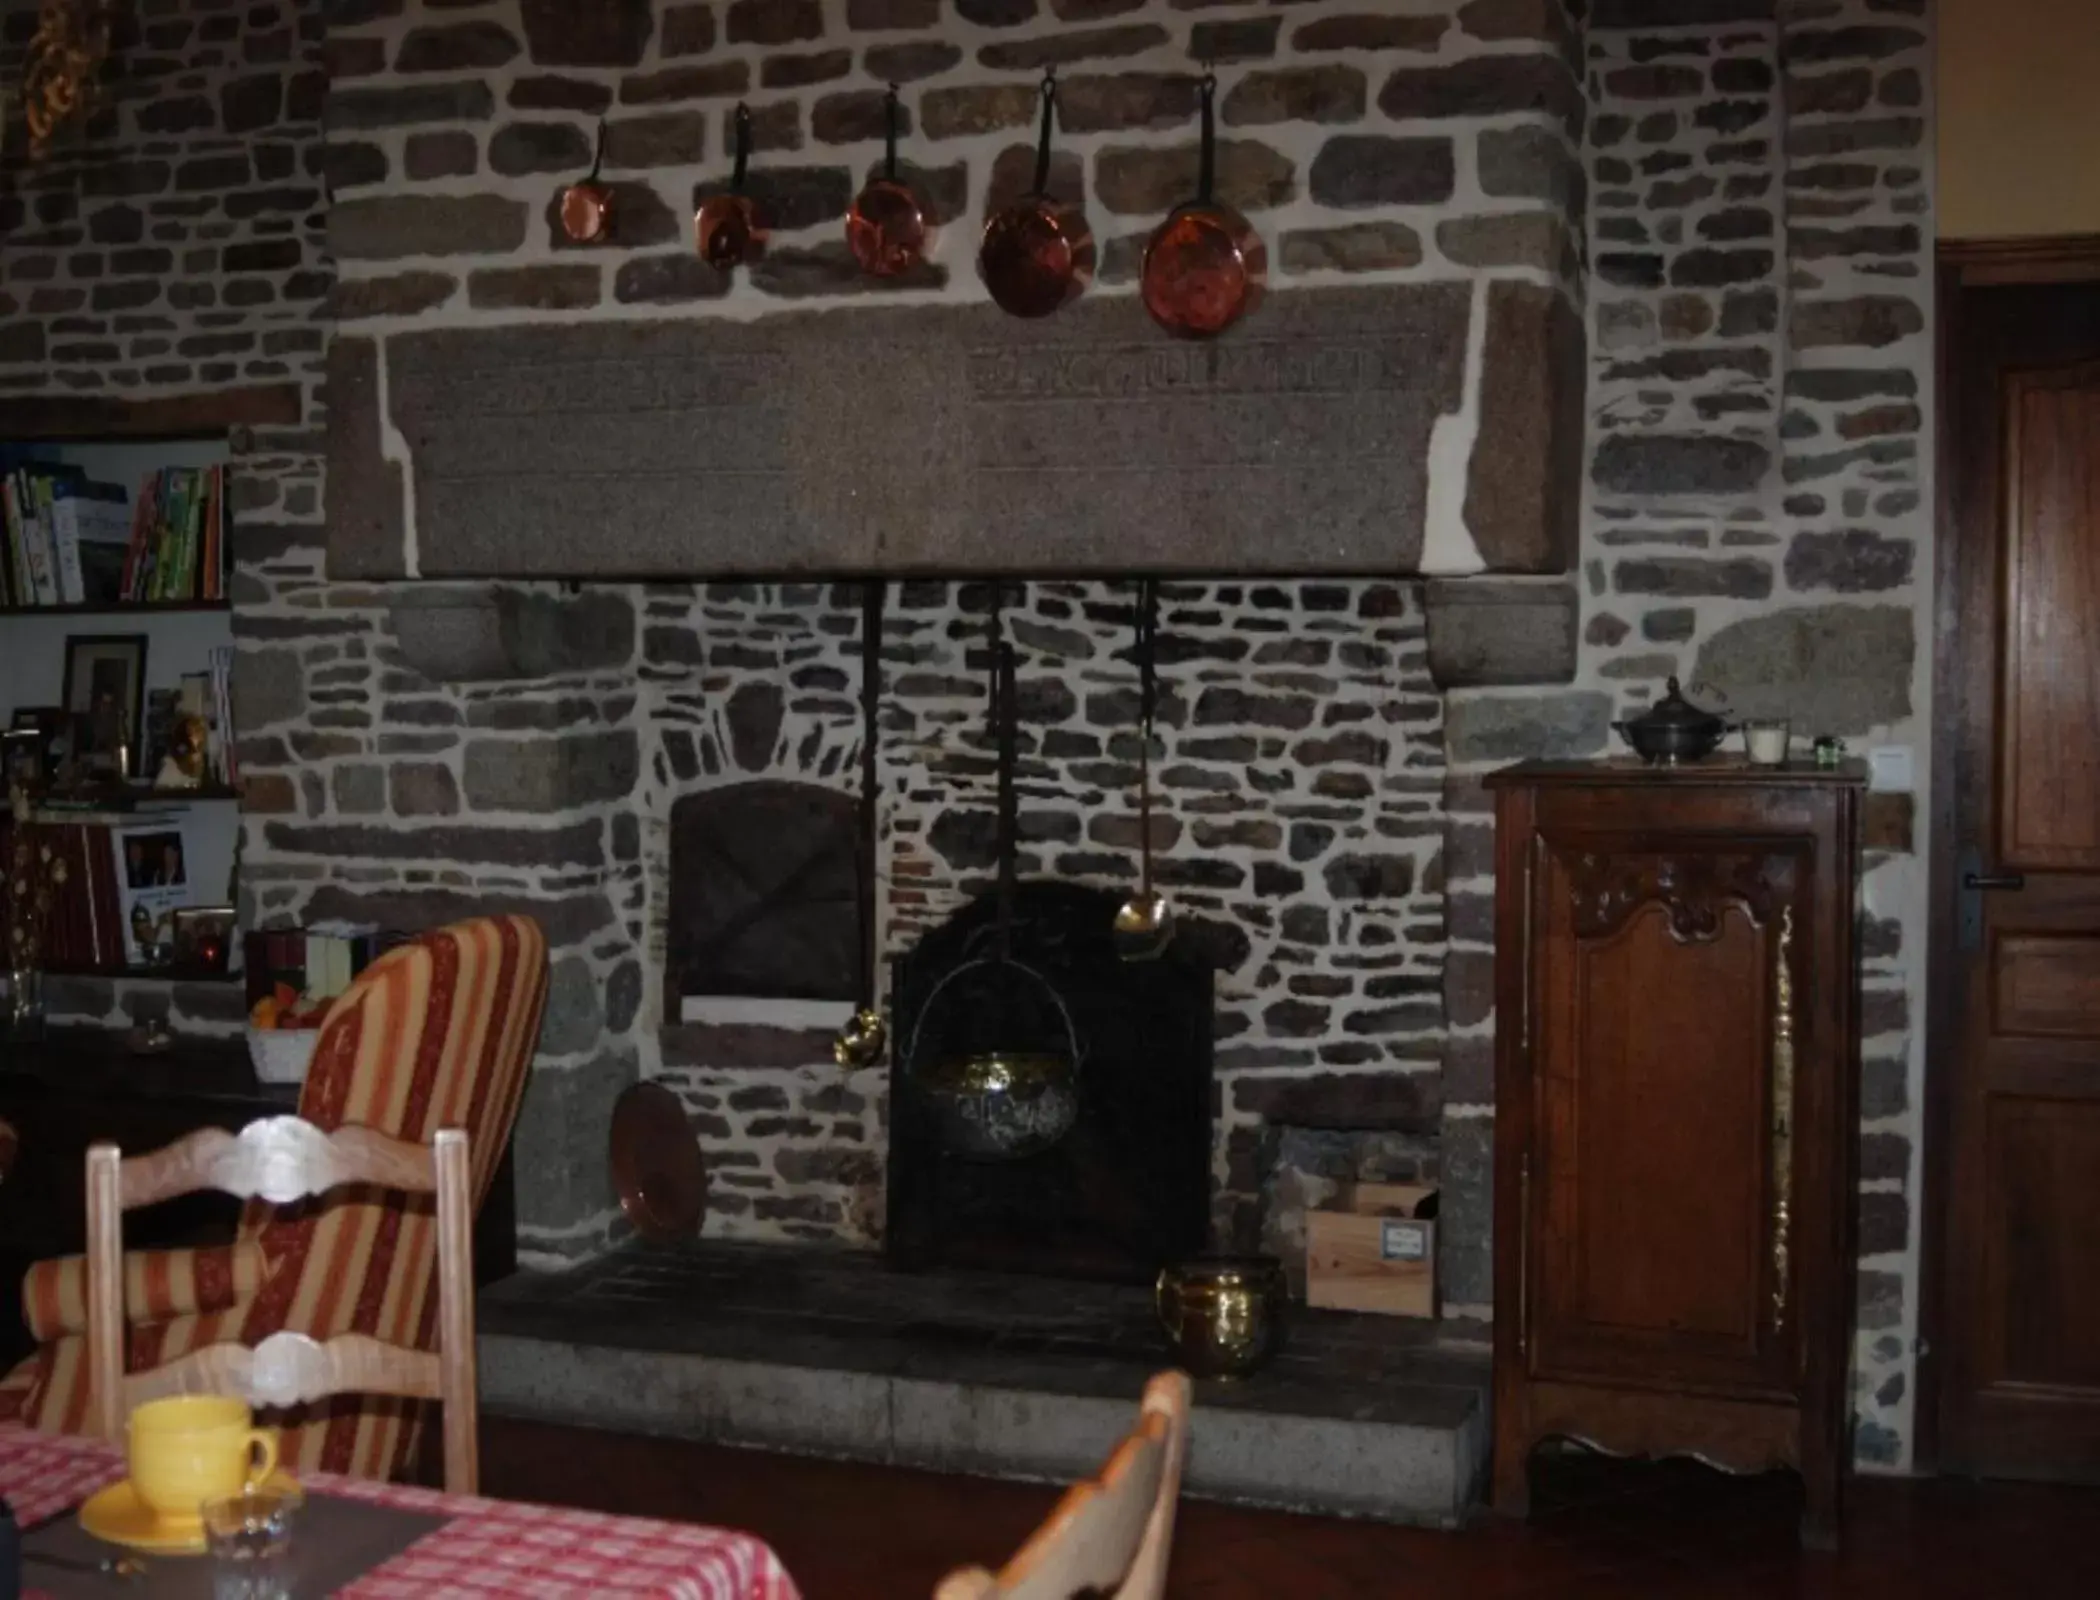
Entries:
{"x":1127,"y":1189}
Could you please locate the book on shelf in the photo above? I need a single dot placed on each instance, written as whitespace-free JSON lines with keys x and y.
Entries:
{"x":40,"y":508}
{"x":177,"y":547}
{"x":317,"y":965}
{"x":66,"y":539}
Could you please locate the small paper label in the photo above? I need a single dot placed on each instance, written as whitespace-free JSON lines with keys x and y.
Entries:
{"x":1403,"y":1241}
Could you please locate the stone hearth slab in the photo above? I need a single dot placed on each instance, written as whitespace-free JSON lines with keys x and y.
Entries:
{"x":827,"y":1353}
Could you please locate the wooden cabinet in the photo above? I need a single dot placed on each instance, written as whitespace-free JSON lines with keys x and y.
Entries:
{"x":1676,"y":1116}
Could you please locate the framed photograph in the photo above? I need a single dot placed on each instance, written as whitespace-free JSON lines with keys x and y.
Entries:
{"x":153,"y":883}
{"x":204,"y":938}
{"x":106,"y":685}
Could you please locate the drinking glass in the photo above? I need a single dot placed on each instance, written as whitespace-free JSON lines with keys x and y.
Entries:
{"x":1765,"y":741}
{"x":248,"y":1536}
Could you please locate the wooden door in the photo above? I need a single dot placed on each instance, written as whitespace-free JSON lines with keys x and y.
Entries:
{"x":2020,"y":1319}
{"x":1665,"y":1084}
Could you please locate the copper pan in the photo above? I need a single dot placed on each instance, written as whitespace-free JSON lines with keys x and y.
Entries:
{"x":1037,"y":254}
{"x":887,"y":229}
{"x":1205,"y":265}
{"x":586,"y":207}
{"x":727,"y":228}
{"x":656,"y":1166}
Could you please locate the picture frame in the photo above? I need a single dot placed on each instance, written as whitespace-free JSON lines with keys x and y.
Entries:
{"x":39,"y":746}
{"x":204,"y":938}
{"x":22,"y":759}
{"x":153,"y":883}
{"x":105,"y":683}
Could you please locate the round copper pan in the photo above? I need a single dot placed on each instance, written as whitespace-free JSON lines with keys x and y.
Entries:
{"x":728,"y":228}
{"x":656,"y":1167}
{"x":888,"y":230}
{"x":1205,"y":266}
{"x":586,"y":207}
{"x":1037,"y":254}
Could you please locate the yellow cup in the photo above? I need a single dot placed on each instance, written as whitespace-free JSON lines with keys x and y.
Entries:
{"x":196,"y":1447}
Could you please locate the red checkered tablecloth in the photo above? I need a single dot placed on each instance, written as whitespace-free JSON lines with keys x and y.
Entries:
{"x":489,"y":1547}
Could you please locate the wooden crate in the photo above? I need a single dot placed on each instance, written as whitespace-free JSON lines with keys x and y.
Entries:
{"x":1372,"y":1253}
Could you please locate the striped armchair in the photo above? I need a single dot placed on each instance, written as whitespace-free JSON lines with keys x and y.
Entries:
{"x":436,"y":1033}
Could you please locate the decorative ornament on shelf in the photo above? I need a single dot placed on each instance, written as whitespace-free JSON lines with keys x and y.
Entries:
{"x":62,"y":67}
{"x":184,"y":766}
{"x":35,"y":874}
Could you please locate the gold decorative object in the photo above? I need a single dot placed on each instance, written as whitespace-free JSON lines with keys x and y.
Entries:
{"x":189,"y":742}
{"x":1223,"y":1314}
{"x":861,"y":1041}
{"x":1782,"y":1116}
{"x":61,"y":69}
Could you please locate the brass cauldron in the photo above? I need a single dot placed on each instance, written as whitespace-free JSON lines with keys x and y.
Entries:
{"x":1223,"y":1314}
{"x":1001,"y":1105}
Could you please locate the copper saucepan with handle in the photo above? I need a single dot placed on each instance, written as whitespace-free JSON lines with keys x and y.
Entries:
{"x":727,"y":227}
{"x":887,"y":229}
{"x":1205,"y":265}
{"x":1037,"y":254}
{"x":586,"y":207}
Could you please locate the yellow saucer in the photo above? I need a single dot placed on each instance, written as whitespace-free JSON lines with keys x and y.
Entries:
{"x":119,"y":1516}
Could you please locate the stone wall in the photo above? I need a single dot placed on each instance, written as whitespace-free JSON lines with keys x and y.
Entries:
{"x":1760,"y":239}
{"x":524,"y":748}
{"x":449,"y":136}
{"x":1429,"y":155}
{"x":1760,"y":390}
{"x":175,"y":242}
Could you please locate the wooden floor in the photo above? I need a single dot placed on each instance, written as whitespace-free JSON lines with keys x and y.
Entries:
{"x":1603,"y":1529}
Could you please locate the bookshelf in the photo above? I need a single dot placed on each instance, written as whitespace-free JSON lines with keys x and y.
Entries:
{"x":137,"y":609}
{"x":180,"y":638}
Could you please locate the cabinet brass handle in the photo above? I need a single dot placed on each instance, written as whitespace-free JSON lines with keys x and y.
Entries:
{"x":1782,"y":1115}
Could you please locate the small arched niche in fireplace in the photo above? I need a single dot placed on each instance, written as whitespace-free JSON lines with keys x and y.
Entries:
{"x":767,"y":884}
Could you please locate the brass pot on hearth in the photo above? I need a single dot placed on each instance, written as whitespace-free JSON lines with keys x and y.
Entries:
{"x":1223,"y":1315}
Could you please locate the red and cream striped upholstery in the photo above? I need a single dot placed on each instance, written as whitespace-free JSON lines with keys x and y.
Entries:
{"x":435,"y":1034}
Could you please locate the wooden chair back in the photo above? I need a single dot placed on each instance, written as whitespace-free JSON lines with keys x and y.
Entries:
{"x":1110,"y":1535}
{"x":280,"y":1160}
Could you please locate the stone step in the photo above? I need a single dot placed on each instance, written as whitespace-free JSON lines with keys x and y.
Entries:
{"x":826,"y":1353}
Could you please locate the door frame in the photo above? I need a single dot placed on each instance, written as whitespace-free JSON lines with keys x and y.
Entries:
{"x":1961,"y":267}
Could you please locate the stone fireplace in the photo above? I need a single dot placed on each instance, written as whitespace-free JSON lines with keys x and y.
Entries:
{"x":615,"y":516}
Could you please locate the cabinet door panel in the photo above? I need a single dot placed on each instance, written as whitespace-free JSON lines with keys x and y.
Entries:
{"x":1655,"y":1124}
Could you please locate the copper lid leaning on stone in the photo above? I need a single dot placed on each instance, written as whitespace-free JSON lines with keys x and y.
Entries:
{"x":656,"y":1166}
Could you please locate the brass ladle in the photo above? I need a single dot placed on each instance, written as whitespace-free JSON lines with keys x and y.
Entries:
{"x":1144,"y":923}
{"x":861,"y":1042}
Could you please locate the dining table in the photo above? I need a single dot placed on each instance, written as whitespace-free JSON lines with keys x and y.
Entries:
{"x":440,"y":1544}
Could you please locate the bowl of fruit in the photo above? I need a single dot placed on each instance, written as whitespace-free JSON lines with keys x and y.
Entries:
{"x":282,"y":1028}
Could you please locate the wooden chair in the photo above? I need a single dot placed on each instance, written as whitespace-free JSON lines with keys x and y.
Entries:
{"x":281,"y":1160}
{"x":1111,"y":1535}
{"x":438,"y":1033}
